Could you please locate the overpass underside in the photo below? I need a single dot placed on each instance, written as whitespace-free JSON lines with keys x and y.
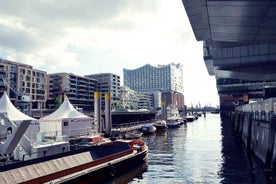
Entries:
{"x":239,"y":45}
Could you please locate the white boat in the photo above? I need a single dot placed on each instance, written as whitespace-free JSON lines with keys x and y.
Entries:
{"x":148,"y":129}
{"x":135,"y":134}
{"x":160,"y":124}
{"x":190,"y":118}
{"x":173,"y":123}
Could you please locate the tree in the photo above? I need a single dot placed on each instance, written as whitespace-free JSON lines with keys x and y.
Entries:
{"x":118,"y":106}
{"x":132,"y":107}
{"x":58,"y":101}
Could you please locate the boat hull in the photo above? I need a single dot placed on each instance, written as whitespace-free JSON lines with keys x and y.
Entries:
{"x":111,"y":170}
{"x":173,"y":124}
{"x":190,"y":118}
{"x":148,"y":129}
{"x":98,"y":162}
{"x":133,"y":135}
{"x":161,"y":127}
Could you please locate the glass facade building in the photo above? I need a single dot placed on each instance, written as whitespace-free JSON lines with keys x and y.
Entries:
{"x":149,"y":78}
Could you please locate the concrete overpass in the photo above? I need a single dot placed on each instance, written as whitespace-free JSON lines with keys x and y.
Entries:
{"x":239,"y":45}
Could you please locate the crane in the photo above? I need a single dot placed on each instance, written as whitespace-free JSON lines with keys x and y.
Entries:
{"x":22,"y":100}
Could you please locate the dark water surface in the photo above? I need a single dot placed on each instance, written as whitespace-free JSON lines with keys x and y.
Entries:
{"x":203,"y":151}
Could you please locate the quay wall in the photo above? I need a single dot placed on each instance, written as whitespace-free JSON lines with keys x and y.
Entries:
{"x":255,"y":125}
{"x":128,"y":117}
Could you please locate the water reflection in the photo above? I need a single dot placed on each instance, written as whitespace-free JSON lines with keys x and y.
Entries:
{"x":135,"y":174}
{"x":238,"y":166}
{"x":203,"y":151}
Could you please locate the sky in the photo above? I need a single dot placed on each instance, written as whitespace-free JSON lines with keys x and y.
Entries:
{"x":105,"y":36}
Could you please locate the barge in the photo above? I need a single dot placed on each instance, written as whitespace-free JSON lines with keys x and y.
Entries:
{"x":99,"y":162}
{"x":30,"y":155}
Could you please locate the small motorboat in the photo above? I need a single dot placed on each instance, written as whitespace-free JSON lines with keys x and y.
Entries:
{"x":173,"y":123}
{"x":160,"y":124}
{"x":148,"y":129}
{"x":190,"y":118}
{"x":135,"y":134}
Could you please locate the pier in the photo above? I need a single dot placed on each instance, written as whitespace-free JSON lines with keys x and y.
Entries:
{"x":255,"y":125}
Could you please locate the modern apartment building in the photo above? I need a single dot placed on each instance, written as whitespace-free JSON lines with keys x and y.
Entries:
{"x":25,"y":86}
{"x":108,"y":83}
{"x":149,"y":78}
{"x":139,"y":100}
{"x":128,"y":98}
{"x":145,"y":100}
{"x":80,"y":90}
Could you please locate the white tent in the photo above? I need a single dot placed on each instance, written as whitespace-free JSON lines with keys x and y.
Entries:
{"x":12,"y":112}
{"x":66,"y":120}
{"x":17,"y":116}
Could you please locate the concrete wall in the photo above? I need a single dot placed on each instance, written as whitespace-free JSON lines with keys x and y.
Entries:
{"x":255,"y":125}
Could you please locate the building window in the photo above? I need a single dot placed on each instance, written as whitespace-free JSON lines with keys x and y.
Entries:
{"x":22,"y":71}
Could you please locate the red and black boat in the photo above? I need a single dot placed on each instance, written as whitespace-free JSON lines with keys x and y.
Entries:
{"x":98,"y":162}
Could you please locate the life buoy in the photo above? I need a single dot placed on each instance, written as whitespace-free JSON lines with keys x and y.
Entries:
{"x":112,"y":170}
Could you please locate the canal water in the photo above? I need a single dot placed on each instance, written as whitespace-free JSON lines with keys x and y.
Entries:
{"x":203,"y":151}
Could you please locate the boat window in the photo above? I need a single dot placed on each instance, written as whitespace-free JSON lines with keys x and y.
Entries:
{"x":65,"y":123}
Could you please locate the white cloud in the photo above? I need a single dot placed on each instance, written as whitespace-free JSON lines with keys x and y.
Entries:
{"x":93,"y":36}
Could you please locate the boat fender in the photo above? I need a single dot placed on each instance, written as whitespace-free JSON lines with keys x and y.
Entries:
{"x":112,"y":170}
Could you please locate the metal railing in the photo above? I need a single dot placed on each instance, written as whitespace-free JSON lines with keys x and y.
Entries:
{"x":125,"y":127}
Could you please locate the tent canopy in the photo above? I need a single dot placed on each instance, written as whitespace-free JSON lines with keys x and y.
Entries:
{"x":66,"y":110}
{"x":12,"y":112}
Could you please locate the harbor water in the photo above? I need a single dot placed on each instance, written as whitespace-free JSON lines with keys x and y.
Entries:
{"x":202,"y":151}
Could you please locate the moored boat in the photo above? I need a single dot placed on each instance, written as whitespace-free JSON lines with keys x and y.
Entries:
{"x":29,"y":155}
{"x":160,"y":124}
{"x":173,"y":123}
{"x":190,"y":118}
{"x":135,"y":134}
{"x":148,"y":129}
{"x":100,"y":162}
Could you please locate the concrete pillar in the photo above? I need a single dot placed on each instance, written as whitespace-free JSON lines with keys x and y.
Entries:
{"x":270,"y":148}
{"x":237,"y":123}
{"x":108,"y":121}
{"x":97,"y":111}
{"x":241,"y":122}
{"x":249,"y":131}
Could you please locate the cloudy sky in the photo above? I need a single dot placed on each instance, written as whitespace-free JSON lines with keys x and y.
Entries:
{"x":99,"y":36}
